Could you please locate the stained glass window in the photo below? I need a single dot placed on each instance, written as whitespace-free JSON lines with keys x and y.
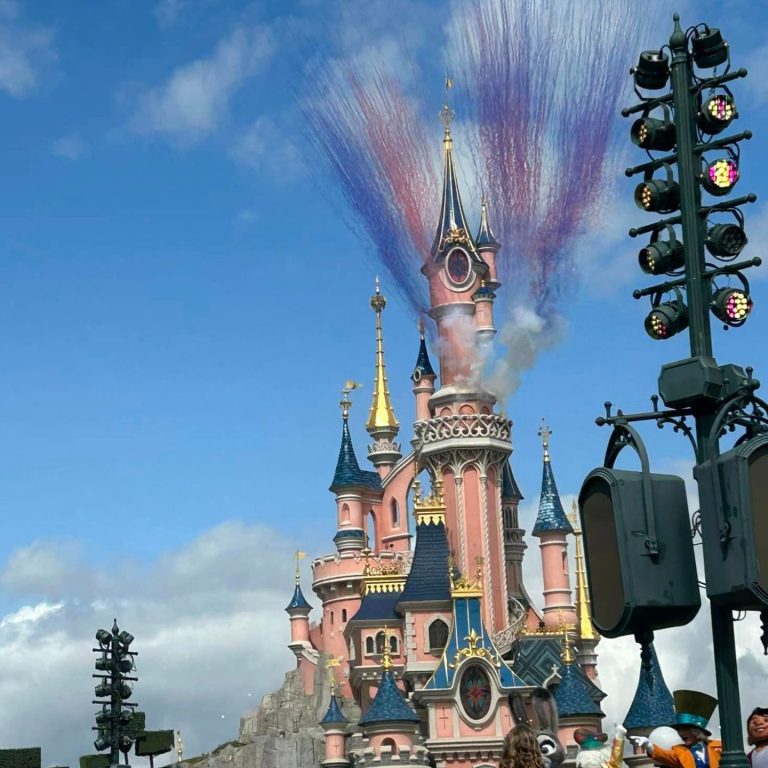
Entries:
{"x":475,"y":692}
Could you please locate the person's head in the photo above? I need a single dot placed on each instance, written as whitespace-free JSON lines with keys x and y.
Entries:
{"x":757,"y":726}
{"x":691,"y":735}
{"x":521,"y":749}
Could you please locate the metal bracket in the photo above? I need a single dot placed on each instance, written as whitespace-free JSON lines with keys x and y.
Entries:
{"x":623,"y":436}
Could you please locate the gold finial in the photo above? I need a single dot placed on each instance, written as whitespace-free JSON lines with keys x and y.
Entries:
{"x":567,"y":655}
{"x":299,"y":556}
{"x":583,"y":609}
{"x":381,"y":414}
{"x":386,"y":657}
{"x":330,"y":666}
{"x":421,"y":328}
{"x":430,"y":509}
{"x":466,"y":586}
{"x":545,"y":433}
{"x":179,"y":747}
{"x":447,"y":115}
{"x":345,"y":402}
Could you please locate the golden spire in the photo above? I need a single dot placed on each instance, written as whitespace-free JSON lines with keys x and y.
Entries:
{"x":386,"y":657}
{"x":447,"y":114}
{"x":567,"y":655}
{"x":381,"y":415}
{"x":545,"y":433}
{"x":330,"y":666}
{"x":586,"y":630}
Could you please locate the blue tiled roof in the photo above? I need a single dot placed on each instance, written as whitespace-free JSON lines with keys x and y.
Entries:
{"x":653,"y":705}
{"x":389,"y":704}
{"x":428,"y":578}
{"x":423,"y":365}
{"x":377,"y":606}
{"x":467,"y":616}
{"x":485,"y":235}
{"x":334,"y":715}
{"x":348,"y":473}
{"x":551,"y":516}
{"x":349,"y":533}
{"x":298,"y":601}
{"x":485,"y":290}
{"x":572,"y":695}
{"x":509,"y":487}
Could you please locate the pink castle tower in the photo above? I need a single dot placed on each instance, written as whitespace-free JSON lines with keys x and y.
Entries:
{"x":306,"y":656}
{"x":463,"y":443}
{"x":334,"y":724}
{"x":552,"y":529}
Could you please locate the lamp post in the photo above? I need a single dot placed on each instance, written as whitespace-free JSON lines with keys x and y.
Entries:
{"x":718,"y":398}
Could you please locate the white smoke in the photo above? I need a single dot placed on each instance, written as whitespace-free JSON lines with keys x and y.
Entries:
{"x":522,"y":337}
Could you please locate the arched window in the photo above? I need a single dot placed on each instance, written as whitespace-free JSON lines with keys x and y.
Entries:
{"x":565,"y":563}
{"x":373,"y":539}
{"x":438,"y":635}
{"x":345,"y":513}
{"x":389,"y":744}
{"x":380,"y":643}
{"x":343,"y":615}
{"x":393,"y":644}
{"x":331,"y":618}
{"x":369,"y":646}
{"x":395,"y":513}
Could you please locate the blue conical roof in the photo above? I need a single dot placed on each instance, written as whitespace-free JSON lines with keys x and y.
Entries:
{"x":485,"y":236}
{"x":572,"y":695}
{"x":334,"y":715}
{"x":423,"y":365}
{"x":653,"y":705}
{"x":509,"y":487}
{"x":298,"y":601}
{"x":389,"y":705}
{"x":428,"y":580}
{"x":551,"y":515}
{"x":348,"y":473}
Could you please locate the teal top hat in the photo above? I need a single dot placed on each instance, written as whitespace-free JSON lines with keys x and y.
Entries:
{"x":693,"y":709}
{"x":589,"y":740}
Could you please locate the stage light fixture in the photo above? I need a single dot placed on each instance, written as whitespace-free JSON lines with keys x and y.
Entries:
{"x":726,"y":240}
{"x":652,"y":70}
{"x":661,"y":256}
{"x":716,"y":113}
{"x":665,"y":320}
{"x":709,"y":48}
{"x":660,"y":195}
{"x":653,"y":133}
{"x":720,"y":176}
{"x":732,"y":306}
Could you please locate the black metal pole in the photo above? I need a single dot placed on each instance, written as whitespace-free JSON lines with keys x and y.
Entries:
{"x":698,"y":293}
{"x":114,"y":743}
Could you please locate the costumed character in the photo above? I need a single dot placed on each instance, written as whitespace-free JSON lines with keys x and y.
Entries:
{"x":544,"y":722}
{"x":757,"y":736}
{"x":692,"y":712}
{"x":595,"y":752}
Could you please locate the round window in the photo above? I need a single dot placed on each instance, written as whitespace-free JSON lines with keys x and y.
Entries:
{"x":475,"y":692}
{"x":457,"y":266}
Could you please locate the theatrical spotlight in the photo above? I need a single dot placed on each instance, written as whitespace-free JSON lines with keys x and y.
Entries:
{"x":716,"y":113}
{"x":660,"y":195}
{"x":709,"y":48}
{"x":720,"y":176}
{"x":661,"y":256}
{"x":665,"y":320}
{"x":654,"y":133}
{"x":732,"y":305}
{"x":652,"y":70}
{"x":726,"y":241}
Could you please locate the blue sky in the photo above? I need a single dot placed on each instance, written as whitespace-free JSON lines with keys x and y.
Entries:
{"x":181,"y":300}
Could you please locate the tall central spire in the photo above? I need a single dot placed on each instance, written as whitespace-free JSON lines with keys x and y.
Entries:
{"x":452,"y":228}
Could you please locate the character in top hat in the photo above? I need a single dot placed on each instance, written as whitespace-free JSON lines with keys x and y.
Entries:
{"x":757,"y":736}
{"x":692,"y":712}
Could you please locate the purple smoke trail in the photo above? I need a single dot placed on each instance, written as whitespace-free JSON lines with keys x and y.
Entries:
{"x":376,"y":146}
{"x":542,"y":79}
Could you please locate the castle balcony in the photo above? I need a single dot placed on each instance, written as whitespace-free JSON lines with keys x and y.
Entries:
{"x":340,"y":574}
{"x":463,"y":430}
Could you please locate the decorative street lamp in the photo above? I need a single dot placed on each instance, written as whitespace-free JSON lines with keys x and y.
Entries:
{"x":653,"y":549}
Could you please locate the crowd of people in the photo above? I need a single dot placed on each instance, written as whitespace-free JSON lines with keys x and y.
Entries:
{"x":690,"y":745}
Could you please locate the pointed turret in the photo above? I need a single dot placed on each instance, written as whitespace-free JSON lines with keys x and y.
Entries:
{"x":423,"y":378}
{"x":487,"y":246}
{"x":653,"y":705}
{"x":382,"y":425}
{"x":389,"y":707}
{"x":298,"y":609}
{"x":552,"y":528}
{"x":348,"y":473}
{"x":573,"y":694}
{"x":452,"y":227}
{"x":334,"y":724}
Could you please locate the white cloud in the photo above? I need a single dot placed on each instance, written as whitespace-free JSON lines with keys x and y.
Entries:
{"x":167,"y":12}
{"x":209,"y":626}
{"x":194,"y":101}
{"x":263,"y":147}
{"x":69,"y":147}
{"x":22,"y":48}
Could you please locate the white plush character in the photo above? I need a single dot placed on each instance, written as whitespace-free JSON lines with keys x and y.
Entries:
{"x":594,"y":752}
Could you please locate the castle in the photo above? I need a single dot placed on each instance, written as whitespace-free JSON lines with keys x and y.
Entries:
{"x":426,"y":643}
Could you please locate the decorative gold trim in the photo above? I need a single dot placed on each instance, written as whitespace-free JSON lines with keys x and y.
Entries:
{"x":466,"y":586}
{"x":473,"y":649}
{"x":583,"y":609}
{"x":430,"y":509}
{"x":381,"y":414}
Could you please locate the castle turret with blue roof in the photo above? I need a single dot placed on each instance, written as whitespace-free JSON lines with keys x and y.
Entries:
{"x":552,"y":529}
{"x":334,"y":724}
{"x":652,"y":705}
